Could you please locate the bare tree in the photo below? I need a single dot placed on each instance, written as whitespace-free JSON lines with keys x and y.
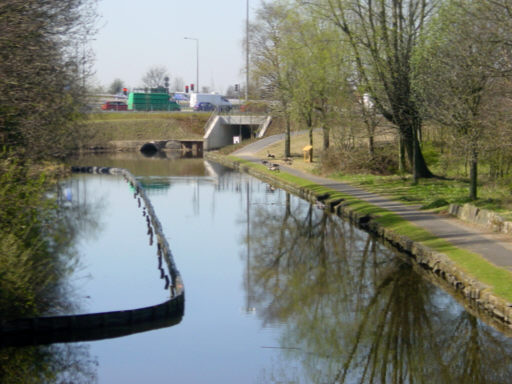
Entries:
{"x":116,"y":86}
{"x":383,"y":35}
{"x":155,"y":77}
{"x":273,"y":74}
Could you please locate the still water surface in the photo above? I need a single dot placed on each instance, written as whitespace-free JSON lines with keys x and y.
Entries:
{"x":277,"y":291}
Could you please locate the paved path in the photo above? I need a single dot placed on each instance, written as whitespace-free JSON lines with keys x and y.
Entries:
{"x":497,"y":248}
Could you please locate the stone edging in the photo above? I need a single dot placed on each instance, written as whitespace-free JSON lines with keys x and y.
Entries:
{"x":482,"y":217}
{"x":475,"y":296}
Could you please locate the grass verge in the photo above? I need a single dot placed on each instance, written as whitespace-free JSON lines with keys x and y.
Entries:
{"x":432,"y":194}
{"x":105,"y":127}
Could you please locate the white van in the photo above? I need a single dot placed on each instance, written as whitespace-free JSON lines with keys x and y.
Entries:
{"x":217,"y":100}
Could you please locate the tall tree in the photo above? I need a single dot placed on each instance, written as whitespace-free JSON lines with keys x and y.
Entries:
{"x":456,"y":75}
{"x":269,"y":69}
{"x":44,"y":65}
{"x":383,"y":35}
{"x":315,"y":53}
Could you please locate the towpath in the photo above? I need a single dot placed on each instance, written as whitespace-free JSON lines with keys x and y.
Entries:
{"x":496,"y":248}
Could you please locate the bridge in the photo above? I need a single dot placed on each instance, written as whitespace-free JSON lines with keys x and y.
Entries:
{"x":230,"y":128}
{"x":221,"y":129}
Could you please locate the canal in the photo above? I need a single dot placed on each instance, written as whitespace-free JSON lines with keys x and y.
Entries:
{"x":276,"y":290}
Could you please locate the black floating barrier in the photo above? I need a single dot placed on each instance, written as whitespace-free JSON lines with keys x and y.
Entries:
{"x":97,"y":326}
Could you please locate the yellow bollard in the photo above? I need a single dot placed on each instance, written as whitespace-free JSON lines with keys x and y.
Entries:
{"x":308,"y":153}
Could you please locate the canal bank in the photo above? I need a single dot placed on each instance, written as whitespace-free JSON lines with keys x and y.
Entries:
{"x":464,"y":260}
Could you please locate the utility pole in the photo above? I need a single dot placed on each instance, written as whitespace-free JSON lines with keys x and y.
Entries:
{"x":247,"y":53}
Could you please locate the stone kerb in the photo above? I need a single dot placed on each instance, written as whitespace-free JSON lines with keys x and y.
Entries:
{"x":482,"y":217}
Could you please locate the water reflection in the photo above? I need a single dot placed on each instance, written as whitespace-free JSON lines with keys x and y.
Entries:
{"x":64,"y":363}
{"x":277,"y":291}
{"x":356,"y":312}
{"x":37,"y":253}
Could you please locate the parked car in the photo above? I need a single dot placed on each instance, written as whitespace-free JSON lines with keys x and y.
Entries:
{"x":114,"y":106}
{"x":204,"y":106}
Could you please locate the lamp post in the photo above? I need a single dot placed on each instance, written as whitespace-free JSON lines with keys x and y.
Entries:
{"x":197,"y":58}
{"x":247,"y":53}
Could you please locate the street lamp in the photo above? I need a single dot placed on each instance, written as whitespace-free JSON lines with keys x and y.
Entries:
{"x":247,"y":53}
{"x":197,"y":58}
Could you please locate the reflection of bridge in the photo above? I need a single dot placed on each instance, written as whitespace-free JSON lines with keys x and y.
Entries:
{"x":95,"y":326}
{"x":194,"y":146}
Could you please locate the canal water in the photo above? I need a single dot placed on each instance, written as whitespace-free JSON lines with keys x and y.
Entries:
{"x":276,"y":290}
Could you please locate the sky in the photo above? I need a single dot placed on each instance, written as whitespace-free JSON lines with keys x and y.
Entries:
{"x":135,"y":35}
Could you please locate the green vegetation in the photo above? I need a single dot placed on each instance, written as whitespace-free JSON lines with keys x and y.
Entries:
{"x":34,"y":243}
{"x":45,"y":63}
{"x":437,"y":85}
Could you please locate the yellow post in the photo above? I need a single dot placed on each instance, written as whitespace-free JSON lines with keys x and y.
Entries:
{"x":308,"y":153}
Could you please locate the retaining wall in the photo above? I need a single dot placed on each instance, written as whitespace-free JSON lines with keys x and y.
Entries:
{"x":482,"y":217}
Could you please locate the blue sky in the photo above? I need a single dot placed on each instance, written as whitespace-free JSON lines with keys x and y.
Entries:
{"x":136,"y":35}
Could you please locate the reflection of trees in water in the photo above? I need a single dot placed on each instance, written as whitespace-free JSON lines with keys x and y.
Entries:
{"x":474,"y":352}
{"x":59,"y":363}
{"x":357,"y":313}
{"x":37,"y":237}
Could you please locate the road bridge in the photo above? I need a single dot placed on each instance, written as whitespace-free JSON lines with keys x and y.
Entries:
{"x":220,"y":130}
{"x":226,"y":129}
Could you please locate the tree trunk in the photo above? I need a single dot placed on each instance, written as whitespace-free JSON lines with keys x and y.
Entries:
{"x":401,"y":155}
{"x":287,"y":141}
{"x":412,"y":146}
{"x":371,"y":146}
{"x":473,"y":173}
{"x":325,"y":130}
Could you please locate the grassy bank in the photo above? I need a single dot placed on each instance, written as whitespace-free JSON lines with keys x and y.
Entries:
{"x":433,"y":194}
{"x":125,"y":126}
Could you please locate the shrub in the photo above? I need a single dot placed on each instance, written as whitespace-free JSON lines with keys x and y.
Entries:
{"x":357,"y":160}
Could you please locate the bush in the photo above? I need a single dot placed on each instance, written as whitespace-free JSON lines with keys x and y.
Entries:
{"x":357,"y":160}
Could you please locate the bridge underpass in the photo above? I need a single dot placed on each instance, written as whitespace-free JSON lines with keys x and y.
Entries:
{"x":223,"y":130}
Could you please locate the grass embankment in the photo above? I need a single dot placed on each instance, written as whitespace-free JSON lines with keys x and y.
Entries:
{"x":127,"y":126}
{"x":498,"y":280}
